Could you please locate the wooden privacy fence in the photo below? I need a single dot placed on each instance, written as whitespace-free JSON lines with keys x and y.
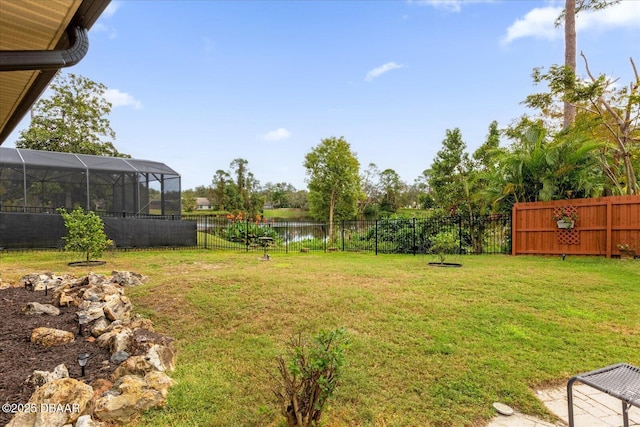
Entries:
{"x":603,"y":223}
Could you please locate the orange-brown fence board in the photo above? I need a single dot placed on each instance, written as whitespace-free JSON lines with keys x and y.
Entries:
{"x":603,"y":223}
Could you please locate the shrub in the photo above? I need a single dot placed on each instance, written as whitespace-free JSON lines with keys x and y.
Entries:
{"x":85,"y":233}
{"x":444,"y":243}
{"x":310,"y":376}
{"x":248,"y":232}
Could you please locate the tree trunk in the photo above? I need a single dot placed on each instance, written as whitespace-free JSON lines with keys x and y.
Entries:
{"x":632,"y":184}
{"x":569,"y":54}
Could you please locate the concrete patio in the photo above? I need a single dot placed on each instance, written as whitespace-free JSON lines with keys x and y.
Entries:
{"x":592,"y":408}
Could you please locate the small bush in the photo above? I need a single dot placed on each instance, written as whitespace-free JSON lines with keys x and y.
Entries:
{"x":310,"y":376}
{"x":248,"y":232}
{"x":444,"y":243}
{"x":85,"y":233}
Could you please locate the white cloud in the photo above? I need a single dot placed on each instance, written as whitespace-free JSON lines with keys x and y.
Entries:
{"x":99,"y":27}
{"x":276,"y":135}
{"x":121,"y":99}
{"x":447,"y":5}
{"x":625,"y":14}
{"x":377,"y":72}
{"x":111,"y":9}
{"x":540,"y":22}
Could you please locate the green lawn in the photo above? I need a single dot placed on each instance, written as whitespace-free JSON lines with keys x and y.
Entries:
{"x":430,"y":346}
{"x":286,"y":213}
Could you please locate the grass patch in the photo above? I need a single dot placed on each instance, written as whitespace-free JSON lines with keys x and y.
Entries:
{"x":286,"y":213}
{"x":430,"y":347}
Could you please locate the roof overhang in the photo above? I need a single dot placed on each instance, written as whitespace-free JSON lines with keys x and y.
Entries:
{"x":36,"y":25}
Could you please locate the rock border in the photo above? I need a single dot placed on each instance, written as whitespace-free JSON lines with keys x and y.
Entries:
{"x":140,"y":381}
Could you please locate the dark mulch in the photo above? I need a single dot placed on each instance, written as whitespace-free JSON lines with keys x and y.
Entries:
{"x":19,"y":357}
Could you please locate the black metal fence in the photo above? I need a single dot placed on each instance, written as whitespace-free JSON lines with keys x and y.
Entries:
{"x":478,"y":235}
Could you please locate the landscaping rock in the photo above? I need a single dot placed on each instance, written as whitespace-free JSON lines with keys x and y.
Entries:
{"x":119,"y":356}
{"x":132,"y":395}
{"x":128,"y":278}
{"x":49,"y":337}
{"x":35,"y":308}
{"x":64,"y":296}
{"x":100,"y":387}
{"x":57,"y":403}
{"x":134,"y":365}
{"x":100,"y":326}
{"x":87,"y":421}
{"x":89,"y":311}
{"x":40,"y":282}
{"x":98,"y":292}
{"x":144,"y":356}
{"x":162,"y":358}
{"x":160,"y":382}
{"x":94,"y":279}
{"x":144,"y":339}
{"x":39,"y":378}
{"x":117,"y":307}
{"x":138,"y":322}
{"x":116,"y":339}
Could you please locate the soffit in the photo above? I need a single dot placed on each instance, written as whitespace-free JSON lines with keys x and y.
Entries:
{"x":35,"y":25}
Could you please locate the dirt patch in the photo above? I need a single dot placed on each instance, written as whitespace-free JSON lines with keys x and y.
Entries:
{"x":19,"y":357}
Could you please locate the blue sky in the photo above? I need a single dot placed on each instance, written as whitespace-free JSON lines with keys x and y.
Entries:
{"x":196,"y":84}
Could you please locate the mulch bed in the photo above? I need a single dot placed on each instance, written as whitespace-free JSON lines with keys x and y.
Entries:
{"x":19,"y":357}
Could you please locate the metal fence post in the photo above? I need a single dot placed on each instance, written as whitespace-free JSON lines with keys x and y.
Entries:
{"x":246,"y":233}
{"x":415,"y":249}
{"x":376,"y":237}
{"x":459,"y":234}
{"x":342,"y":225}
{"x":324,"y":236}
{"x":286,"y":237}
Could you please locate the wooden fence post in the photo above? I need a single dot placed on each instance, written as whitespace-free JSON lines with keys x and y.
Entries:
{"x":609,"y":221}
{"x":514,"y":213}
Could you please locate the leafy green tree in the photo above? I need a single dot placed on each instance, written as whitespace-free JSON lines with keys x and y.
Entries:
{"x":425,"y":201}
{"x":242,"y":194}
{"x":487,"y":156}
{"x":254,"y":201}
{"x":279,"y":195}
{"x":446,"y":175}
{"x":239,"y":167}
{"x":524,"y":167}
{"x":300,"y":199}
{"x":221,"y":196}
{"x":188,"y":202}
{"x":486,"y":162}
{"x":391,"y":187}
{"x":85,"y":233}
{"x":541,"y":167}
{"x":368,"y":205}
{"x":608,"y":115}
{"x":333,"y":180}
{"x":444,"y":243}
{"x":202,"y":191}
{"x":73,"y":120}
